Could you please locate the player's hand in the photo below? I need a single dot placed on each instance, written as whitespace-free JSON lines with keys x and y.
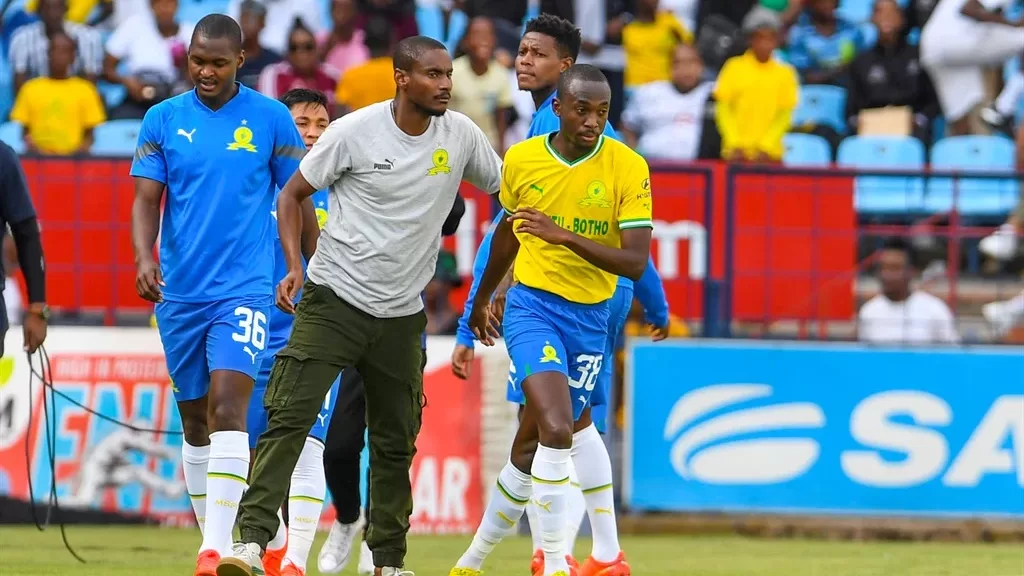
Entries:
{"x":287,"y":289}
{"x":483,"y":324}
{"x":34,"y":328}
{"x":148,"y":280}
{"x":462,"y":361}
{"x":539,"y":224}
{"x":659,"y":333}
{"x":498,"y":303}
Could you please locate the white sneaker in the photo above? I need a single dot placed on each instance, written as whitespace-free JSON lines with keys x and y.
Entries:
{"x":388,"y":571}
{"x":366,"y":567}
{"x":1002,"y":316}
{"x":335,"y":552}
{"x":1001,"y":244}
{"x":243,"y":561}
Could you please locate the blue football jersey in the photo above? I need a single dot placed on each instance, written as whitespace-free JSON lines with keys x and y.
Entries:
{"x":222,"y":169}
{"x":281,"y":322}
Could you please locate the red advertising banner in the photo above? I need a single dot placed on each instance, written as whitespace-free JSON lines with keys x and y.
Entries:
{"x":794,"y":238}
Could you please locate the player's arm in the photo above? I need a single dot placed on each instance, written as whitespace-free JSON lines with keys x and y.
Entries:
{"x":504,"y":248}
{"x":651,"y":294}
{"x":310,"y":229}
{"x":149,"y":170}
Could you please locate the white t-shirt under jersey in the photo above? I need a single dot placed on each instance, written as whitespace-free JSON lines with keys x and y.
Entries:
{"x":920,"y":319}
{"x":389,"y":194}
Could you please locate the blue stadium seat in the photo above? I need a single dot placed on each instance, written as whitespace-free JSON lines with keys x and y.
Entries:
{"x":975,"y":196}
{"x":806,"y":150}
{"x":113,"y":94}
{"x":457,"y":24}
{"x":11,"y":134}
{"x":192,"y":11}
{"x":856,"y":10}
{"x":116,"y":138}
{"x":885,"y":195}
{"x":824,"y":105}
{"x":430,"y":21}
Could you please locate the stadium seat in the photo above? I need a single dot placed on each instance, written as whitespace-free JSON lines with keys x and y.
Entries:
{"x":113,"y":94}
{"x":806,"y":150}
{"x":975,"y":196}
{"x":192,"y":11}
{"x":430,"y":20}
{"x":856,"y":11}
{"x":10,"y":134}
{"x":824,"y":105}
{"x":885,"y":195}
{"x":457,"y":24}
{"x":116,"y":138}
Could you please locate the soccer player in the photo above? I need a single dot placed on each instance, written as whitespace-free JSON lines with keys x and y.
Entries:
{"x":548,"y":48}
{"x":220,"y":150}
{"x":579,"y":207}
{"x":288,"y":551}
{"x":396,"y":166}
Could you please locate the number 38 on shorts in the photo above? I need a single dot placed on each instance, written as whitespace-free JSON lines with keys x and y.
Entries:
{"x":582,"y":371}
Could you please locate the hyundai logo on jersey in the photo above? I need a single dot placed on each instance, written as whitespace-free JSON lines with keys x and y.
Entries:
{"x":848,"y":429}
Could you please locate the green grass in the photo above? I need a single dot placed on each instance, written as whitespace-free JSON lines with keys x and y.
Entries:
{"x":135,"y":551}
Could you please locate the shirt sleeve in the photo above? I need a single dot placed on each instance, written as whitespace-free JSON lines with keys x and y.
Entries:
{"x":288,"y":148}
{"x":635,"y":200}
{"x":508,"y":196}
{"x":651,"y":294}
{"x":15,"y":202}
{"x":93,"y":113}
{"x":19,"y":52}
{"x":483,"y":168}
{"x":90,"y":45}
{"x":119,"y":43}
{"x":945,"y":325}
{"x":330,"y":157}
{"x":149,"y":161}
{"x":22,"y":112}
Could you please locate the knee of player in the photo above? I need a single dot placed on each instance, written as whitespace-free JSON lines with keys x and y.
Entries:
{"x":194,"y":429}
{"x":227,"y":416}
{"x":555,"y":433}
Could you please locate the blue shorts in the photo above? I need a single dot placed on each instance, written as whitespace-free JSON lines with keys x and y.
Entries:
{"x":199,"y":338}
{"x":618,"y":312}
{"x":547,"y":333}
{"x":256,"y":420}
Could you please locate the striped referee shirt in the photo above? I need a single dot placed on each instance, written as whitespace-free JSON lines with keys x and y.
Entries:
{"x":29,"y":50}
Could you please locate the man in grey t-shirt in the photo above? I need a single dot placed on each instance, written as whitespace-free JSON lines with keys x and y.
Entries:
{"x":393,"y":169}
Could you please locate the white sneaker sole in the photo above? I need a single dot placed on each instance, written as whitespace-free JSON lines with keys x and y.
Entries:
{"x":237,"y":567}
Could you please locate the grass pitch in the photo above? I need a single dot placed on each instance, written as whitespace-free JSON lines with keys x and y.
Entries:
{"x":135,"y":551}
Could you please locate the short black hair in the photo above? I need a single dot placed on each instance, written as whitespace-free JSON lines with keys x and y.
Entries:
{"x":299,"y":26}
{"x":412,"y":49}
{"x":566,"y":35}
{"x":219,"y":26}
{"x":899,"y":244}
{"x":297,"y":96}
{"x":579,"y":73}
{"x":378,"y":35}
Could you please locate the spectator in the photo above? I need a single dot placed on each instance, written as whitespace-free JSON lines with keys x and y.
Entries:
{"x":507,"y":16}
{"x":78,"y":12}
{"x":1001,"y":114}
{"x":151,"y":49}
{"x":345,"y":46}
{"x":685,"y":11}
{"x":899,"y":314}
{"x":374,"y":80}
{"x":401,"y":14}
{"x":29,"y":48}
{"x":253,"y":19}
{"x":822,"y":45}
{"x":442,"y":319}
{"x":649,"y":41}
{"x":483,"y":91}
{"x":281,"y":15}
{"x":674,"y":120}
{"x":890,"y":74}
{"x":756,"y":95}
{"x":959,"y":40}
{"x":301,"y":68}
{"x":58,"y":111}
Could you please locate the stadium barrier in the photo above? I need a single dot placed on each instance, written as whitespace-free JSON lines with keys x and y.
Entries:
{"x":120,"y":373}
{"x":824,"y":429}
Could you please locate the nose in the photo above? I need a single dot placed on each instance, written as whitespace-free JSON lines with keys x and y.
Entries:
{"x":446,"y":83}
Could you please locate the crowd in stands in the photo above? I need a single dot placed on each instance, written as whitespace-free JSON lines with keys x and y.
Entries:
{"x":801,"y":82}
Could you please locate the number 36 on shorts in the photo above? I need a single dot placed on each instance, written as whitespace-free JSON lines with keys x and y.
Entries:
{"x":253,"y":326}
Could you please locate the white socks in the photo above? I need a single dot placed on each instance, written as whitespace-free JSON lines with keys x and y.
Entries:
{"x":305,"y":502}
{"x":225,"y":482}
{"x":594,"y":468}
{"x":508,"y":500}
{"x":531,"y":513}
{"x":577,"y":507}
{"x":194,"y":460}
{"x":551,"y":468}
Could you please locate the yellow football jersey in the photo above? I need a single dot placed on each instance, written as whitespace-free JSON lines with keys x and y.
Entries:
{"x":596,"y":196}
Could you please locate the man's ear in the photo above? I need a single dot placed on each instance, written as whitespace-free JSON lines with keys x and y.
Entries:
{"x":556,"y":107}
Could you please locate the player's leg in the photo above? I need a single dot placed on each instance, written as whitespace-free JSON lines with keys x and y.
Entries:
{"x":343,"y":445}
{"x":256,"y":424}
{"x":235,"y":347}
{"x":327,"y":336}
{"x":508,"y":500}
{"x":308,"y":490}
{"x":590,"y":455}
{"x":514,"y":394}
{"x":393,"y":382}
{"x":182,"y":328}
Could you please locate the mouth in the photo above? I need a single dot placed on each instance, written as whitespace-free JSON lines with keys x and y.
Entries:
{"x":443,"y":99}
{"x":587,"y":137}
{"x":207,"y":85}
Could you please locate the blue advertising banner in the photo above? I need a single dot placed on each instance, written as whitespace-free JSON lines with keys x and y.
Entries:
{"x":821,"y":428}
